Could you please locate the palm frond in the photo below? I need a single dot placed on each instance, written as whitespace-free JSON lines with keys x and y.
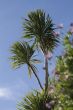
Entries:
{"x":21,"y":54}
{"x":30,"y":71}
{"x":34,"y":101}
{"x":39,"y":26}
{"x":35,"y":61}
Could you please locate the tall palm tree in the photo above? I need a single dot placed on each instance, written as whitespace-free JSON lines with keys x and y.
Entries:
{"x":23,"y":53}
{"x":40,"y":29}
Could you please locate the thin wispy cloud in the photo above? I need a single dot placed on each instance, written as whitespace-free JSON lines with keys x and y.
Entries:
{"x":5,"y":93}
{"x":14,"y":91}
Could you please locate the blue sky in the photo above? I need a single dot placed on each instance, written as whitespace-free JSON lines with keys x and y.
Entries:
{"x":15,"y":83}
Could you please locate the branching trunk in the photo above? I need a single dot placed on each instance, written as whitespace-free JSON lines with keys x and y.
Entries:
{"x":46,"y":74}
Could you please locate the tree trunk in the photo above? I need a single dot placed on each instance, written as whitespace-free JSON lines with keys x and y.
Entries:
{"x":38,"y":81}
{"x":46,"y":74}
{"x":36,"y":77}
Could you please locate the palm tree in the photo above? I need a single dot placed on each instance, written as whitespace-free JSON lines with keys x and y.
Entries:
{"x":36,"y":101}
{"x":23,"y":53}
{"x":39,"y":28}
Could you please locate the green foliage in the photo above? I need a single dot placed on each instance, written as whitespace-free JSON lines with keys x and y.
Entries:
{"x":64,"y":93}
{"x":40,"y":28}
{"x":65,"y":68}
{"x":35,"y":101}
{"x":61,"y":65}
{"x":23,"y":53}
{"x":65,"y":62}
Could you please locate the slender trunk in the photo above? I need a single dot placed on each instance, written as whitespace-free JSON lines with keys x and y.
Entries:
{"x":36,"y":77}
{"x":46,"y":74}
{"x":38,"y":80}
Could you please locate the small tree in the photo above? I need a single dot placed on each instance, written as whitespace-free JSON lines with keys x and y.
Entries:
{"x":40,"y":30}
{"x":23,"y":53}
